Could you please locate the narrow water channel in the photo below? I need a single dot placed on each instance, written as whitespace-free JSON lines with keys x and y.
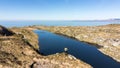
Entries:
{"x":51,"y":43}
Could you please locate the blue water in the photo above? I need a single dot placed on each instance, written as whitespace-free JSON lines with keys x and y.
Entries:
{"x":53,"y":23}
{"x":51,"y":43}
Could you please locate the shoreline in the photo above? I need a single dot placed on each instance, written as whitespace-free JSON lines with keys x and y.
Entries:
{"x":20,"y":51}
{"x":105,"y":47}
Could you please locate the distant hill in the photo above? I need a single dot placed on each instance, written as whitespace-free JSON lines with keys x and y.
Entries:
{"x":105,"y":20}
{"x":5,"y":32}
{"x":116,"y":20}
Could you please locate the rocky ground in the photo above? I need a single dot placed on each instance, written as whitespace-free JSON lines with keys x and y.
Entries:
{"x":59,"y":61}
{"x":106,"y":38}
{"x":19,"y":49}
{"x":5,"y":32}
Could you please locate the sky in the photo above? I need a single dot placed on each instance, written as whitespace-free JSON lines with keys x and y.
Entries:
{"x":59,"y":9}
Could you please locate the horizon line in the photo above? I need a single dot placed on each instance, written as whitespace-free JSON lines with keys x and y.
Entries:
{"x":69,"y":20}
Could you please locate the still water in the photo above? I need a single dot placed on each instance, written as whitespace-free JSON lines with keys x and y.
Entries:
{"x":51,"y":43}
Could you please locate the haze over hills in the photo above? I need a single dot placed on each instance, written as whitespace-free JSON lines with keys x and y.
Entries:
{"x":102,"y":20}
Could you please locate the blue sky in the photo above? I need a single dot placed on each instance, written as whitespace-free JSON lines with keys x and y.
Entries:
{"x":59,"y":9}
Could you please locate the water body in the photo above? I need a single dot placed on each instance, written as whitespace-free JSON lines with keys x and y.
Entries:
{"x":54,"y":23}
{"x":52,"y":43}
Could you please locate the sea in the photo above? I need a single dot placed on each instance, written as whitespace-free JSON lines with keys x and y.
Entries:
{"x":55,"y":23}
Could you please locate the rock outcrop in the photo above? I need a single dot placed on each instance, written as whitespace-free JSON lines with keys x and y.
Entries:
{"x":5,"y":32}
{"x":61,"y":60}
